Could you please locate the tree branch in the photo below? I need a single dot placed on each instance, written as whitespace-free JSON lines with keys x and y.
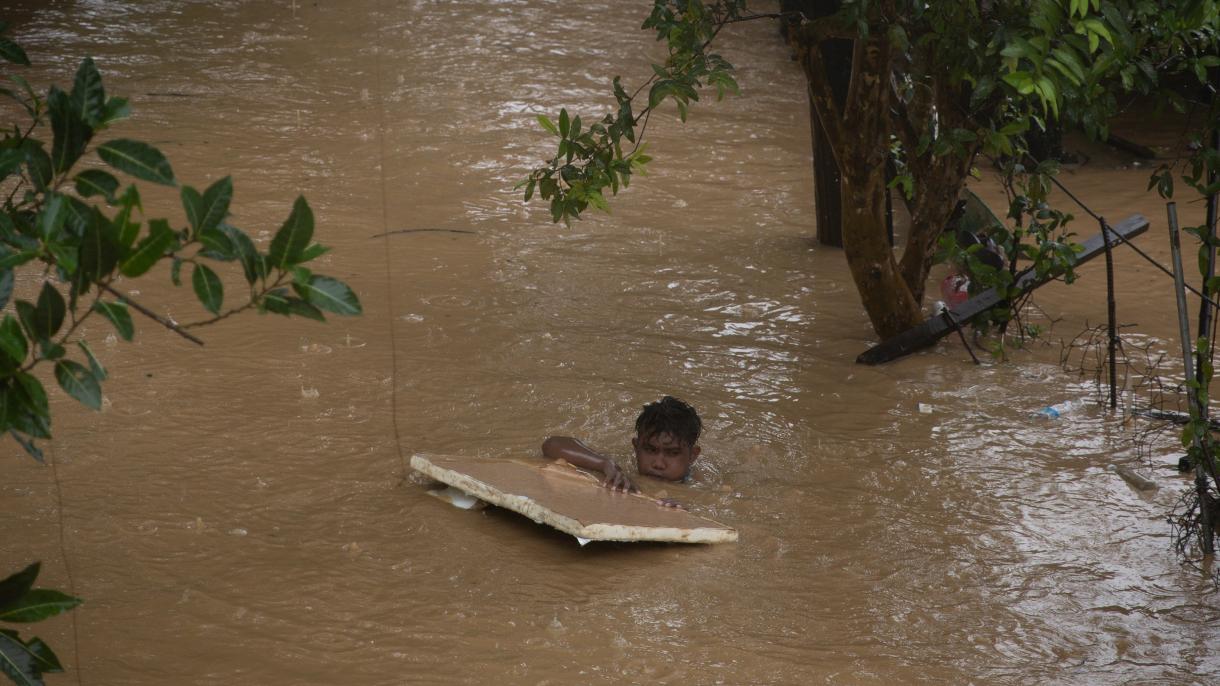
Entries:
{"x":150,"y":314}
{"x":253,"y":300}
{"x":821,"y":95}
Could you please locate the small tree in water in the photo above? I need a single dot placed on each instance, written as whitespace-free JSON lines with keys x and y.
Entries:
{"x":77,"y":235}
{"x":933,"y":86}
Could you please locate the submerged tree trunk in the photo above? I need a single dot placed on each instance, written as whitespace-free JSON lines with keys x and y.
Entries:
{"x":890,"y":304}
{"x":858,"y":132}
{"x":939,"y":179}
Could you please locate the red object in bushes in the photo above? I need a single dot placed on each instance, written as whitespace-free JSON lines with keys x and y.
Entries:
{"x":955,"y":289}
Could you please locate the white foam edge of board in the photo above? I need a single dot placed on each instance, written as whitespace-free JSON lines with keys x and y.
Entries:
{"x":543,"y":515}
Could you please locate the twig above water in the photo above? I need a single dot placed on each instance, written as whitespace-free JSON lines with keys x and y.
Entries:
{"x":390,"y":233}
{"x":150,"y":314}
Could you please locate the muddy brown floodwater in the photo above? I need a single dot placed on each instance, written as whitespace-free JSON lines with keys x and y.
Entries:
{"x":239,"y":513}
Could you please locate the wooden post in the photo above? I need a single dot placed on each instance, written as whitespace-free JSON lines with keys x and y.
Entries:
{"x":827,"y":189}
{"x":1111,"y":316}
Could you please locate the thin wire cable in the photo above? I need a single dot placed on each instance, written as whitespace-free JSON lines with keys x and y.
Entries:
{"x":63,"y":554}
{"x":1122,"y":238}
{"x":1117,"y":235}
{"x":385,"y":226}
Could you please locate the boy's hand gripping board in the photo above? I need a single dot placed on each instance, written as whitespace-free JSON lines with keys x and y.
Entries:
{"x":567,"y":499}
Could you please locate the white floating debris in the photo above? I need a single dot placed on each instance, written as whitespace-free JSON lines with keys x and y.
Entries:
{"x":457,"y":498}
{"x":925,"y":408}
{"x":1137,"y":481}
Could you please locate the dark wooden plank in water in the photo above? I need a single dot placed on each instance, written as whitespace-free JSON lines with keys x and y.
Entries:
{"x":939,"y":326}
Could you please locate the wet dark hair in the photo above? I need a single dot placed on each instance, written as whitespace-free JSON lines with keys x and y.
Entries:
{"x":672,"y":416}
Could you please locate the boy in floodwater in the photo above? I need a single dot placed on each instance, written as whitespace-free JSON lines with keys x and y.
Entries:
{"x":666,"y":445}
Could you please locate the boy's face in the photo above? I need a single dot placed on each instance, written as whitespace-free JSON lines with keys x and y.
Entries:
{"x":662,"y":455}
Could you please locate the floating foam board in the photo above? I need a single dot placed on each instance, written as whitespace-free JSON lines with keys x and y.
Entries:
{"x":570,"y":500}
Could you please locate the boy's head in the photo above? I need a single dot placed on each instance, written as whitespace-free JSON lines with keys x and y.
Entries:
{"x":667,"y":439}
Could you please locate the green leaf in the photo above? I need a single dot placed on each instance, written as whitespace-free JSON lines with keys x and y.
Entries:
{"x":118,"y":315}
{"x":91,"y":182}
{"x":33,"y":396}
{"x":12,"y":341}
{"x":659,"y":90}
{"x":192,"y":204}
{"x":253,"y":264}
{"x":1069,"y":59}
{"x":548,"y":124}
{"x":51,"y":350}
{"x":12,"y":52}
{"x":10,"y":161}
{"x":51,"y":217}
{"x":78,"y":381}
{"x":32,"y":416}
{"x":208,"y":288}
{"x":7,"y":279}
{"x":215,"y":206}
{"x":15,"y":660}
{"x":29,"y":446}
{"x":17,"y":259}
{"x":64,"y":257}
{"x":131,"y":198}
{"x":217,"y":245}
{"x":175,"y":272}
{"x":99,"y":252}
{"x":115,"y":109}
{"x":313,"y":252}
{"x":43,"y":321}
{"x":159,"y":239}
{"x":8,"y":404}
{"x":16,"y":585}
{"x":330,"y":295}
{"x":48,"y":661}
{"x":279,"y":302}
{"x":124,"y":230}
{"x":293,"y":237}
{"x":37,"y":605}
{"x":95,"y":367}
{"x":88,"y":93}
{"x":38,"y":165}
{"x":1046,"y":90}
{"x":70,"y":132}
{"x":1020,"y":80}
{"x":1096,"y":28}
{"x":564,"y":123}
{"x":139,"y":159}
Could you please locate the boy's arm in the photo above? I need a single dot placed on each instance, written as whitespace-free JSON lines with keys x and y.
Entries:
{"x":581,"y":455}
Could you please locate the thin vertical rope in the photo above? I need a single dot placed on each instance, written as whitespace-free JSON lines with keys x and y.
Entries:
{"x":385,"y":227}
{"x":63,"y":554}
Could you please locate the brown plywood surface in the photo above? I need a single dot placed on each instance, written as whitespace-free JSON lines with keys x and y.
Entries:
{"x":572,"y":501}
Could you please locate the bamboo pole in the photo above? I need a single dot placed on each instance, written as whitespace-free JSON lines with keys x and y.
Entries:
{"x":1111,"y":315}
{"x":1179,"y":283}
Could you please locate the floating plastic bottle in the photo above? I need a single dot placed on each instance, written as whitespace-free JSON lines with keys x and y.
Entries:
{"x":1060,"y":409}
